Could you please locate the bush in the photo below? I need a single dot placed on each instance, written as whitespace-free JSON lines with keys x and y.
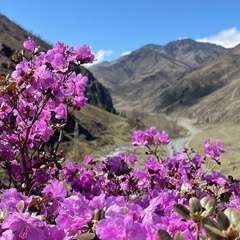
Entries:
{"x":45,"y":197}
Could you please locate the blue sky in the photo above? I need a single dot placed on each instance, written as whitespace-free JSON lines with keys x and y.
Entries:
{"x":116,"y":27}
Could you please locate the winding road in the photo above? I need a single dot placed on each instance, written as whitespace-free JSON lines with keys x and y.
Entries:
{"x":177,"y":144}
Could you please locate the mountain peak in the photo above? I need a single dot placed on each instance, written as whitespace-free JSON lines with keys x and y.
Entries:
{"x":135,"y":79}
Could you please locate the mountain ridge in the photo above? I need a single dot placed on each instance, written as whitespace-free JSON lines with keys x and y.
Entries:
{"x":134,"y":79}
{"x":219,"y":79}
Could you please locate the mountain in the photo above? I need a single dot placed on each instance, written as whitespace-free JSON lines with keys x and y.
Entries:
{"x":136,"y":79}
{"x":210,"y":93}
{"x":12,"y":37}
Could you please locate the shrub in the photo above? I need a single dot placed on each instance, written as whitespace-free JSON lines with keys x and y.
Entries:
{"x":45,"y":197}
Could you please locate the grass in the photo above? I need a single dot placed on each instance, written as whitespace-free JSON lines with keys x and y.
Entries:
{"x":111,"y":131}
{"x":229,"y":135}
{"x":161,"y":122}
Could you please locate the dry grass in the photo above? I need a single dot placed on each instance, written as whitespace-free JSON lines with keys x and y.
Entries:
{"x":229,"y":135}
{"x":110,"y":131}
{"x":161,"y":122}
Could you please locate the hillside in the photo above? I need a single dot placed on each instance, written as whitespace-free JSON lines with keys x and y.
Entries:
{"x":134,"y":79}
{"x":100,"y":132}
{"x":210,"y":93}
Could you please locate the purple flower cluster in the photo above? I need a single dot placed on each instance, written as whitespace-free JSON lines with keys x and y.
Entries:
{"x":213,"y":151}
{"x":149,"y":137}
{"x":30,"y":45}
{"x":108,"y":199}
{"x":33,"y":106}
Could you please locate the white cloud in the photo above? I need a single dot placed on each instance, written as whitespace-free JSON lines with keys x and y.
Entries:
{"x":227,"y":38}
{"x":181,"y":38}
{"x":125,"y":53}
{"x":100,"y":56}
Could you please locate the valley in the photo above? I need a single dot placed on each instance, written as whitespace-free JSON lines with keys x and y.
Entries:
{"x":148,"y":87}
{"x":206,"y":92}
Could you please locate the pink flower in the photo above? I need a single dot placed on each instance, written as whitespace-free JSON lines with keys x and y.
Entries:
{"x":84,"y":54}
{"x":30,"y":45}
{"x":59,"y":62}
{"x":79,"y":101}
{"x":42,"y":130}
{"x":121,"y":227}
{"x":139,"y":138}
{"x":23,"y":226}
{"x":54,"y":233}
{"x":215,"y":177}
{"x":149,"y":137}
{"x":80,"y":83}
{"x":10,"y":199}
{"x":89,"y":159}
{"x":163,"y":137}
{"x":55,"y":189}
{"x":132,"y":158}
{"x":213,"y":151}
{"x":74,"y":213}
{"x":61,"y":111}
{"x":7,"y":235}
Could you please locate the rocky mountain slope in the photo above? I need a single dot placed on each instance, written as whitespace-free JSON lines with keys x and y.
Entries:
{"x":207,"y":90}
{"x":136,"y":79}
{"x":210,"y":93}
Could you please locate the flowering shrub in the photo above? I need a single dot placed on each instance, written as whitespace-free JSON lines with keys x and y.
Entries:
{"x":47,"y":198}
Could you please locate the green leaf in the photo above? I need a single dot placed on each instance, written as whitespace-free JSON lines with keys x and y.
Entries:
{"x":233,"y":215}
{"x":209,"y":204}
{"x":182,"y":211}
{"x":86,"y":236}
{"x":211,"y":228}
{"x":3,"y":214}
{"x":223,"y":221}
{"x":99,"y":214}
{"x":20,"y":206}
{"x":178,"y":236}
{"x":208,"y":212}
{"x":238,"y":228}
{"x":203,"y":237}
{"x":195,"y":205}
{"x":225,"y":197}
{"x":163,"y":235}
